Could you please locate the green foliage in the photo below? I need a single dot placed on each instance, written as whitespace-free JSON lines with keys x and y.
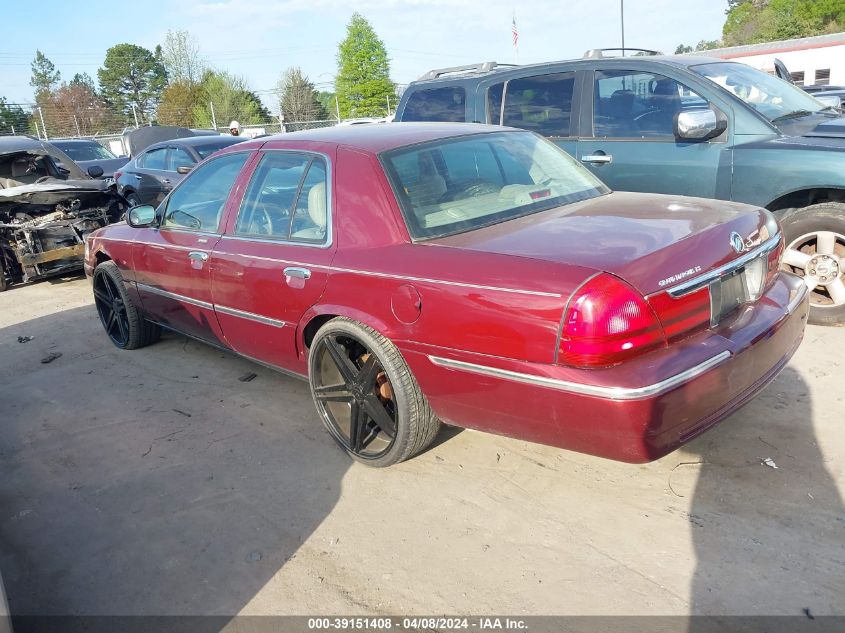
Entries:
{"x":363,"y":79}
{"x":326,"y":99}
{"x":84,"y":79}
{"x":178,"y":102}
{"x":232,"y":99}
{"x":754,"y":21}
{"x":45,"y":77}
{"x":12,"y":118}
{"x":132,"y":75}
{"x":298,"y":98}
{"x":181,"y":57}
{"x":682,"y":48}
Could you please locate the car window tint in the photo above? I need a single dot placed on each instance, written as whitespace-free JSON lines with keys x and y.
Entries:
{"x":310,"y":218}
{"x":207,"y":150}
{"x":629,"y":104}
{"x":197,"y":203}
{"x":268,"y":203}
{"x":86,"y":151}
{"x":154,"y":159}
{"x":436,"y":104}
{"x":455,"y":185}
{"x":179,"y":157}
{"x":494,"y":104}
{"x":542,"y":104}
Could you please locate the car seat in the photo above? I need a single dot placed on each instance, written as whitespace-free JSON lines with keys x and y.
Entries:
{"x":317,"y":213}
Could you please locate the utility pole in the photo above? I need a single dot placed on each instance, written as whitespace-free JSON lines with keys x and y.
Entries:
{"x":388,"y":105}
{"x":37,"y":131}
{"x":337,"y":105}
{"x":43,"y":127}
{"x":213,"y":118}
{"x":135,"y":114}
{"x":76,"y":123}
{"x":622,"y":18}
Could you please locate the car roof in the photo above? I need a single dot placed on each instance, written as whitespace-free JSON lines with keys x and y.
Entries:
{"x":493,"y":69}
{"x":16,"y":143}
{"x":379,"y":137}
{"x":196,"y":141}
{"x":73,"y":141}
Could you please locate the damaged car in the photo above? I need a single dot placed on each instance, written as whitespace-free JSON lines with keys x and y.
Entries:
{"x":46,"y":211}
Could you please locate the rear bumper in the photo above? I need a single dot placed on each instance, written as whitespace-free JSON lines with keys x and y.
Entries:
{"x":634,"y":412}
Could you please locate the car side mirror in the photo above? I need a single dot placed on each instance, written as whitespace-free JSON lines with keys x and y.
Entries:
{"x":141,"y":216}
{"x":95,"y":171}
{"x":699,"y":125}
{"x":183,"y":169}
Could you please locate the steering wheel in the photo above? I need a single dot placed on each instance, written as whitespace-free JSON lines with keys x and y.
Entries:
{"x":262,"y":220}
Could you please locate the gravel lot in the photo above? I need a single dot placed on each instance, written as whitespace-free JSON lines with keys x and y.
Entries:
{"x":156,"y":482}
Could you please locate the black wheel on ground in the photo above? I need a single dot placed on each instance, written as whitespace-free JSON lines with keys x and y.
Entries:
{"x":366,"y":396}
{"x":123,"y":322}
{"x":132,"y":199}
{"x":815,"y":250}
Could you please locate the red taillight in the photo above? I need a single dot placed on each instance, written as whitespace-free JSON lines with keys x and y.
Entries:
{"x":606,"y":322}
{"x":682,"y":314}
{"x":117,"y":175}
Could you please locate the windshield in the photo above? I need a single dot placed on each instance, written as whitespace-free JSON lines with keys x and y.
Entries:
{"x":454,"y":185}
{"x":774,"y":98}
{"x":85,"y":151}
{"x":207,"y":150}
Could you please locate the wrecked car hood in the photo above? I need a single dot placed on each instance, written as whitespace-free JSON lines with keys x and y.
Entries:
{"x":55,"y":191}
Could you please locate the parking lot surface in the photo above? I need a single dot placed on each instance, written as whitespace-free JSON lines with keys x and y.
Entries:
{"x":158,"y":482}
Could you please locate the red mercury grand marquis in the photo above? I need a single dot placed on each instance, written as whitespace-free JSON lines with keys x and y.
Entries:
{"x":471,"y":274}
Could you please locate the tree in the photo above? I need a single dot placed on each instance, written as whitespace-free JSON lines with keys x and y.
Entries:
{"x":231,"y":98}
{"x":754,"y":21}
{"x":84,"y":79}
{"x":13,"y":119}
{"x":326,"y":100}
{"x":45,"y":77}
{"x":182,"y":59}
{"x":298,"y":98}
{"x":363,"y":79}
{"x":132,"y":76}
{"x":75,"y":109}
{"x":681,"y":49}
{"x":178,"y":102}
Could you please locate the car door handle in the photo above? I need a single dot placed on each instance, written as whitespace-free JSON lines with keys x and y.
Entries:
{"x":597,"y":159}
{"x":299,"y":273}
{"x":137,"y":176}
{"x":198,"y":256}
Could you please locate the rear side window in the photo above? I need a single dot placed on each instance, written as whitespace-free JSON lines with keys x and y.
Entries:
{"x":436,"y":104}
{"x":542,"y":103}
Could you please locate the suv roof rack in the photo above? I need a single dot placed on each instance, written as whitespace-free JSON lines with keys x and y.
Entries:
{"x":599,"y":52}
{"x":481,"y":67}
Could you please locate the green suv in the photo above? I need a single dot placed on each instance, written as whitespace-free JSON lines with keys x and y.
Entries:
{"x":683,"y":125}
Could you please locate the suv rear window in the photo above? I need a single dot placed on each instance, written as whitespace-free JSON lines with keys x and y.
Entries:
{"x":436,"y":104}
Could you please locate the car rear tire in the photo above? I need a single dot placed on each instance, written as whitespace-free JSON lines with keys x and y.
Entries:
{"x":133,"y":200}
{"x":123,"y":322}
{"x":366,"y":396}
{"x":815,"y":250}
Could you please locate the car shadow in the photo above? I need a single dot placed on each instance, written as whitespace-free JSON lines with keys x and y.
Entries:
{"x":768,"y":541}
{"x":167,"y":480}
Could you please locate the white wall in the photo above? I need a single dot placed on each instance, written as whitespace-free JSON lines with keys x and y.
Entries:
{"x":808,"y":61}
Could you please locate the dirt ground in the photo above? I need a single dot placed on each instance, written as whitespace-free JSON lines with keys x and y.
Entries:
{"x":156,"y":482}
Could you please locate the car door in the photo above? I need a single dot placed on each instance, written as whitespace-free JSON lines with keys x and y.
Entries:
{"x":545,"y":103}
{"x":271,"y":265}
{"x":152,"y":178}
{"x":171,"y":261}
{"x":630,"y":138}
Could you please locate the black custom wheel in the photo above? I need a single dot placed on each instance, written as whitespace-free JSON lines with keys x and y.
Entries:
{"x":124,"y":325}
{"x":366,"y":396}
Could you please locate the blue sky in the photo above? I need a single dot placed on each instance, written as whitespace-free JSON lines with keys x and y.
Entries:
{"x":258,"y":39}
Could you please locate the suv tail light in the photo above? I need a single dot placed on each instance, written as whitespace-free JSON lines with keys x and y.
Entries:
{"x":117,"y":175}
{"x":606,"y":322}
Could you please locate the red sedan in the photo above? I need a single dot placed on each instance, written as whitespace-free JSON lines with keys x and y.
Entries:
{"x":476,"y":275}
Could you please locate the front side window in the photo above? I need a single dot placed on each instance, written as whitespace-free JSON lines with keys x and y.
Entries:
{"x":197,"y":203}
{"x":286,"y":199}
{"x":154,"y":159}
{"x":179,"y":157}
{"x":436,"y":104}
{"x":541,"y":104}
{"x":456,"y":185}
{"x":628,"y":104}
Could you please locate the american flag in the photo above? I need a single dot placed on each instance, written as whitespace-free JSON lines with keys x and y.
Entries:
{"x":515,"y":34}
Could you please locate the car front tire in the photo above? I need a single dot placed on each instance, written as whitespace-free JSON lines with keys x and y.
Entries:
{"x":815,"y":250}
{"x":124,"y":324}
{"x":366,"y":396}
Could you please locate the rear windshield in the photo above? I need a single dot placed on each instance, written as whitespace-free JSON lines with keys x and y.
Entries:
{"x":436,"y":104}
{"x":455,"y":185}
{"x":85,"y":151}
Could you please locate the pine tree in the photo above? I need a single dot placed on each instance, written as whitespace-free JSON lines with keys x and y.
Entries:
{"x":363,"y":79}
